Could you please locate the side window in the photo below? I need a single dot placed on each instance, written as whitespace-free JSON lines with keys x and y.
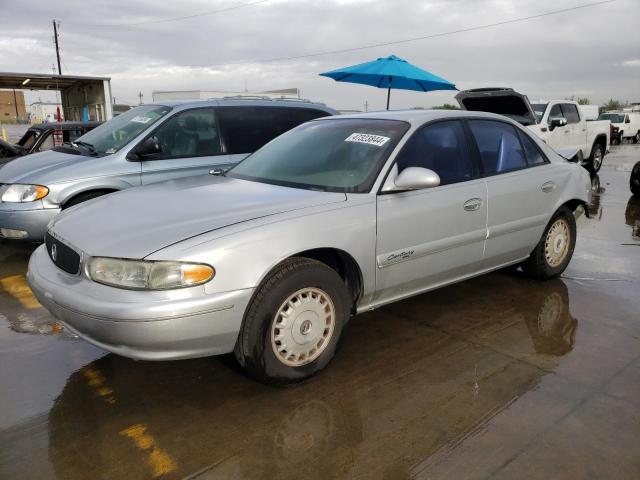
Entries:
{"x":440,"y":147}
{"x":531,"y":151}
{"x":556,"y":111}
{"x":570,"y":113}
{"x":48,"y":143}
{"x":299,"y":116}
{"x":499,"y":146}
{"x":189,"y":134}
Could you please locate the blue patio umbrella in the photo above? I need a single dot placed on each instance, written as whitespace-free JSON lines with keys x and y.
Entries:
{"x":391,"y":72}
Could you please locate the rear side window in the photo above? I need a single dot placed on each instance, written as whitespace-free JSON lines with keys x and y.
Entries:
{"x":499,"y":146}
{"x":570,"y":113}
{"x":440,"y":147}
{"x":533,"y":154}
{"x":246,"y":129}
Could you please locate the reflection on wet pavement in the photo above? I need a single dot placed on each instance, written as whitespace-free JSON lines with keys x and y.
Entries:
{"x":499,"y":376}
{"x":632,"y":216}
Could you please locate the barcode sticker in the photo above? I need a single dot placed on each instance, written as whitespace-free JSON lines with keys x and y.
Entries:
{"x":369,"y":139}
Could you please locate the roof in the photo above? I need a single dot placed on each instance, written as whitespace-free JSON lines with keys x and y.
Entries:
{"x":43,"y":81}
{"x":248,"y":100}
{"x":421,"y":116}
{"x":63,"y":125}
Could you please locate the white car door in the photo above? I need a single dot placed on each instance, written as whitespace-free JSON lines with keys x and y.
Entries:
{"x":522,"y":190}
{"x":559,"y":137}
{"x":577,"y":137}
{"x":189,"y":145}
{"x":431,"y":236}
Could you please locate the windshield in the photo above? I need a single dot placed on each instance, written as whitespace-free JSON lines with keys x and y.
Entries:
{"x":612,"y":117}
{"x":538,"y":109}
{"x":343,"y":155}
{"x":116,"y":133}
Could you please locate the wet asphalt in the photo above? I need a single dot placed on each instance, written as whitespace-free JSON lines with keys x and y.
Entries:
{"x":496,"y":377}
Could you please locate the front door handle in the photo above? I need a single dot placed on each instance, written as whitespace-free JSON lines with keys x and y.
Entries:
{"x":548,"y":187}
{"x":472,"y":204}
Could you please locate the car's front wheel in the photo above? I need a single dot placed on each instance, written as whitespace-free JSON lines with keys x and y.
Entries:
{"x":555,"y":249}
{"x":293,"y":324}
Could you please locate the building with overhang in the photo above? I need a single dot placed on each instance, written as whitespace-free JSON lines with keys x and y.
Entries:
{"x":82,"y":98}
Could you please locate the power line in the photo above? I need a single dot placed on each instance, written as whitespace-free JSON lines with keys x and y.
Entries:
{"x":172,"y":19}
{"x":406,"y":40}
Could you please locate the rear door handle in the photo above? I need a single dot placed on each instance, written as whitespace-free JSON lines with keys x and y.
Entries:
{"x":548,"y":187}
{"x":472,"y":204}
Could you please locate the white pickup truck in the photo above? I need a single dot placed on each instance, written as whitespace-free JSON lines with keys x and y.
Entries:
{"x":623,"y":125}
{"x":560,"y":123}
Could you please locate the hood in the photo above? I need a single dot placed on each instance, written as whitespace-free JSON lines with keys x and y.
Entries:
{"x":503,"y":101}
{"x":139,"y":221}
{"x":40,"y":168}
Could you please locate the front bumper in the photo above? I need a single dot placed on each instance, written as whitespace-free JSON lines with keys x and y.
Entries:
{"x":26,"y":218}
{"x":165,"y":325}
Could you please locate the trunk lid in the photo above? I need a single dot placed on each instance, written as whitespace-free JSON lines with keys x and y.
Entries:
{"x":503,"y":101}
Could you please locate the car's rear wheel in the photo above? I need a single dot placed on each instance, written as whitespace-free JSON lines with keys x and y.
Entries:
{"x":634,"y":180}
{"x":636,"y":137}
{"x":595,"y":161}
{"x":293,"y":324}
{"x":555,"y":249}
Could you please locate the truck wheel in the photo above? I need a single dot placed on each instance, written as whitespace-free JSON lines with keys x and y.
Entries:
{"x":634,"y":181}
{"x":636,"y":137}
{"x":293,"y":323}
{"x":595,"y":161}
{"x":555,"y":249}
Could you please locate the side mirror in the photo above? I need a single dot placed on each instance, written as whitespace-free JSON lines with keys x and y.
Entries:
{"x":557,"y":122}
{"x":147,"y":148}
{"x":416,"y":178}
{"x":627,"y":120}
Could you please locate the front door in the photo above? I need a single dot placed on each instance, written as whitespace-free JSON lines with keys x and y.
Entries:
{"x":559,"y":137}
{"x":433,"y":236}
{"x":189,"y":145}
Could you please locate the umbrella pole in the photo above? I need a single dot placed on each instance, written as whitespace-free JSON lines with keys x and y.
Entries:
{"x":388,"y":96}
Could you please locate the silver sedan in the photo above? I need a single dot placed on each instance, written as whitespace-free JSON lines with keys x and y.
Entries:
{"x":337,"y":217}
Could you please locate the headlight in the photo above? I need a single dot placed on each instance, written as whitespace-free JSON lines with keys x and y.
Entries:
{"x":24,"y":193}
{"x":148,"y":275}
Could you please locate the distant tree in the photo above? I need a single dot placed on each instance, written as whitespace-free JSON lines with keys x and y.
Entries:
{"x":579,"y":101}
{"x":612,"y":105}
{"x":446,"y":106}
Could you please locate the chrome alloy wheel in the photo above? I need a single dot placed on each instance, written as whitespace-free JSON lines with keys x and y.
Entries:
{"x":302,"y":327}
{"x":556,"y":245}
{"x":597,"y":159}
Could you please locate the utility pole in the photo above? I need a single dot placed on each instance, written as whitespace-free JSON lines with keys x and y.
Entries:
{"x":55,"y":38}
{"x":140,"y":97}
{"x":366,"y":106}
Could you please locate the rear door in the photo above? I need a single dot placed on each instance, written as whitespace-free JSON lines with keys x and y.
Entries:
{"x":431,"y":236}
{"x":522,"y":189}
{"x":189,"y":145}
{"x":244,"y":129}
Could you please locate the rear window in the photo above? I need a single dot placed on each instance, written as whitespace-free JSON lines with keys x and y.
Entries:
{"x":246,"y":129}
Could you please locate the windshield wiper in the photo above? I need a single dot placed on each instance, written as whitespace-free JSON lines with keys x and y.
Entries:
{"x":86,"y":145}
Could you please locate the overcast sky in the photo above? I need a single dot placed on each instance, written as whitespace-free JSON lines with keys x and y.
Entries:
{"x":592,"y":52}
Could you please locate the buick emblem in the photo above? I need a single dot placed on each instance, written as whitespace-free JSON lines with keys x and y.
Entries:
{"x":54,"y":252}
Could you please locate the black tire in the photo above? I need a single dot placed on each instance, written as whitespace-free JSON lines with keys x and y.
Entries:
{"x":634,"y":180}
{"x":596,"y":158}
{"x":83,"y":197}
{"x":254,"y":350}
{"x":538,"y":264}
{"x":636,"y":137}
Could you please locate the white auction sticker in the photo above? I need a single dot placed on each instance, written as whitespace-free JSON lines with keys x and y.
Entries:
{"x":369,"y":139}
{"x":140,"y":119}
